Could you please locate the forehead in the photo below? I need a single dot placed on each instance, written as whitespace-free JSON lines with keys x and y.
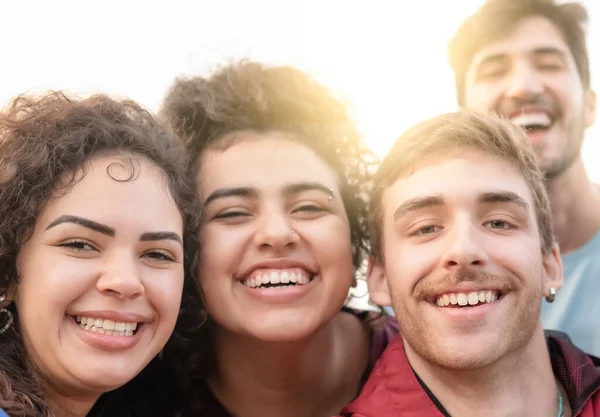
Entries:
{"x":529,"y":34}
{"x":110,"y":191}
{"x":459,"y":178}
{"x":262,"y":161}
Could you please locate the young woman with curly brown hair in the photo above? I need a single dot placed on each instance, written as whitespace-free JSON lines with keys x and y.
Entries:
{"x":281,"y":174}
{"x":98,"y":234}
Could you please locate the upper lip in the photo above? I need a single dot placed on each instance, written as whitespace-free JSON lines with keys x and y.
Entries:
{"x":530,"y":109}
{"x":467,"y":288}
{"x":123,"y":317}
{"x":278,"y":263}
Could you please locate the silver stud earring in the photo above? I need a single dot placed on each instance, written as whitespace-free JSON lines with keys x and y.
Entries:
{"x":331,"y":196}
{"x":552,"y":296}
{"x":7,"y":314}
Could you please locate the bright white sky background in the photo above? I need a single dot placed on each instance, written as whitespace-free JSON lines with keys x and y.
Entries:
{"x":387,"y":57}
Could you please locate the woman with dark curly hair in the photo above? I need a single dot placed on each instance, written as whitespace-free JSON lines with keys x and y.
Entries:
{"x":280,"y":174}
{"x":98,"y":235}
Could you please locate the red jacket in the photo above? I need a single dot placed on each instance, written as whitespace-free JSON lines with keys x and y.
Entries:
{"x":394,"y":391}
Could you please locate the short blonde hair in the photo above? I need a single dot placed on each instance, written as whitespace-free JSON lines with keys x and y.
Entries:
{"x":463,"y":129}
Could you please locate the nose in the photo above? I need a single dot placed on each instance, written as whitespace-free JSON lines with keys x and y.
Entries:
{"x":524,"y":82}
{"x":120,"y":278}
{"x":275,"y":231}
{"x":465,"y":250}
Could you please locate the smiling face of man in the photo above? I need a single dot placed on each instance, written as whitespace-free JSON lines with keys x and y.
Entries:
{"x":462,"y":263}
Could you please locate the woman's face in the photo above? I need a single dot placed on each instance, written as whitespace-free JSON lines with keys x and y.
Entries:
{"x":101,"y":278}
{"x":276,"y":260}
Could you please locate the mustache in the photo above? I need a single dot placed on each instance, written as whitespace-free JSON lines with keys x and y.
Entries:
{"x":427,"y":289}
{"x":514,"y":106}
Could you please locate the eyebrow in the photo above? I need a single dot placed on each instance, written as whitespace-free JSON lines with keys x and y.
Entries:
{"x":502,"y":197}
{"x":417,"y":203}
{"x":543,"y":50}
{"x":550,"y":50}
{"x":109,"y":231}
{"x":153,"y":236}
{"x":300,"y":187}
{"x":87,"y":223}
{"x":491,"y":59}
{"x":247,"y":192}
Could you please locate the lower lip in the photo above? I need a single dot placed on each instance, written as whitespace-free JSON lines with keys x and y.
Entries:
{"x":538,"y":136}
{"x":284,"y":295}
{"x":107,"y":342}
{"x":475,"y":313}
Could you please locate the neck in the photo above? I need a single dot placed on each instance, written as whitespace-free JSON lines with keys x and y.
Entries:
{"x":307,"y":377}
{"x":575,"y":202}
{"x":69,"y":405}
{"x":520,"y":384}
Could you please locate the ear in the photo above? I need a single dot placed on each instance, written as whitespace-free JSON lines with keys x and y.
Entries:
{"x":590,"y":108}
{"x":379,"y":291}
{"x":553,"y":270}
{"x":10,"y":295}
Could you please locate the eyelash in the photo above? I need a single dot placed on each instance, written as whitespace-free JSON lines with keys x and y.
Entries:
{"x":163,"y":255}
{"x":507,"y":223}
{"x":420,"y":230}
{"x":310,"y":208}
{"x":230,"y":214}
{"x":76,"y":245}
{"x":157,"y":254}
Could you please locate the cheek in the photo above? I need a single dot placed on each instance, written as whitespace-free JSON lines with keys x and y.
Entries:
{"x":222,"y":248}
{"x":483,"y":97}
{"x":164,"y":290}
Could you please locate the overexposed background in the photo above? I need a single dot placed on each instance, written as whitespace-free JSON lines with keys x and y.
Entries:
{"x":388,"y":58}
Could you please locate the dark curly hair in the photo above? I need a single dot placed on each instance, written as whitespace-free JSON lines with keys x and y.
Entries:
{"x":46,"y":143}
{"x":248,"y":96}
{"x":497,"y":18}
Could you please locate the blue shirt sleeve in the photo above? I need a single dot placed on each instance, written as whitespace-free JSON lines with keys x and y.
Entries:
{"x":2,"y":413}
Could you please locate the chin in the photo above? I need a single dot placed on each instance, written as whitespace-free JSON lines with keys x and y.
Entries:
{"x":104,"y":378}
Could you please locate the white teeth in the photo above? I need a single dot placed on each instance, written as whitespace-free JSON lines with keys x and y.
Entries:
{"x":463,"y":299}
{"x":446,"y":299}
{"x":473,"y":298}
{"x":277,"y":277}
{"x":532,"y":119}
{"x":109,"y":327}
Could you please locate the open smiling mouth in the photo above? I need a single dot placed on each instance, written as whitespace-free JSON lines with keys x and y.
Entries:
{"x":108,"y":327}
{"x":275,"y":279}
{"x":533,"y":122}
{"x":467,"y":299}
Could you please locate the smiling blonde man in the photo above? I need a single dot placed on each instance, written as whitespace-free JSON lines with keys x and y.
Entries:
{"x":462,"y":248}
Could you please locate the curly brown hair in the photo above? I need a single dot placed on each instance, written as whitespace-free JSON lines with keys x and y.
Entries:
{"x":497,"y":18}
{"x":248,"y":96}
{"x":45,"y":145}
